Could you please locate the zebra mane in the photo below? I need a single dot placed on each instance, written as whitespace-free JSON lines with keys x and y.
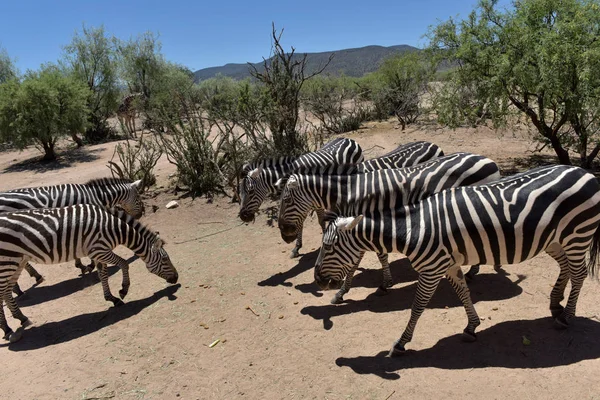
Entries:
{"x":132,"y":222}
{"x":107,"y":181}
{"x":265,"y":163}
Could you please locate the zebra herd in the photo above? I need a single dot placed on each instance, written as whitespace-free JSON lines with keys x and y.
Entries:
{"x":440,"y":211}
{"x":56,"y":224}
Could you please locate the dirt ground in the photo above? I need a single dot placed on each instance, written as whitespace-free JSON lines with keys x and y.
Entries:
{"x":278,"y":335}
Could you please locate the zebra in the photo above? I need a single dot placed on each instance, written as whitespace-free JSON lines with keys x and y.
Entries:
{"x":108,"y":192}
{"x":260,"y":178}
{"x":402,"y":156}
{"x":304,"y":192}
{"x":57,"y":235}
{"x":554,"y":209}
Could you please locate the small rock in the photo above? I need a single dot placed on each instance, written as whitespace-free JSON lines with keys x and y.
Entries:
{"x":172,"y":204}
{"x":281,"y":317}
{"x":495,"y":308}
{"x":295,"y":302}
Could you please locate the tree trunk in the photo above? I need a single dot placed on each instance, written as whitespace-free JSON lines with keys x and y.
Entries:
{"x":77,"y":140}
{"x":563,"y":155}
{"x":49,"y":154}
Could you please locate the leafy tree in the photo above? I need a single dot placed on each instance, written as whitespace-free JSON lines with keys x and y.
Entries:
{"x":8,"y":70}
{"x":92,"y":57}
{"x":47,"y":105}
{"x":541,"y":59}
{"x":141,"y":63}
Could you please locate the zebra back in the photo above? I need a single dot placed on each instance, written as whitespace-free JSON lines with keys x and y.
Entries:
{"x":108,"y":192}
{"x":404,"y":156}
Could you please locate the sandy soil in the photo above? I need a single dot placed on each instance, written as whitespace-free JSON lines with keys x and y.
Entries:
{"x":279,"y":336}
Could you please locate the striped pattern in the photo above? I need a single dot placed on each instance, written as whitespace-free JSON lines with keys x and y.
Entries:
{"x":404,"y":155}
{"x":554,"y":209}
{"x":259,"y":180}
{"x":108,"y":192}
{"x":303,"y":193}
{"x":57,"y":235}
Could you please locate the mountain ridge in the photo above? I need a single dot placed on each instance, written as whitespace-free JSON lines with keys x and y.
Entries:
{"x":354,"y":62}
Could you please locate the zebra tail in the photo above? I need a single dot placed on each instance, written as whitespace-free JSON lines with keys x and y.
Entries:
{"x":592,"y":266}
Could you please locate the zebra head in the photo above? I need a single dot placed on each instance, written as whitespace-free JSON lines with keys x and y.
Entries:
{"x":158,"y":262}
{"x":338,"y":253}
{"x":253,"y":191}
{"x":293,"y":208}
{"x":132,"y":202}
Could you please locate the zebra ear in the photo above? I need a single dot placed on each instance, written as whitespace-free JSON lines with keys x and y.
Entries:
{"x":137,"y":184}
{"x":255,"y":172}
{"x":346,"y":224}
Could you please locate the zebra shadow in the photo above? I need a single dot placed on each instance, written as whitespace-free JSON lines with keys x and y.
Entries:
{"x":53,"y":333}
{"x":499,"y":346}
{"x":485,"y":287}
{"x":305,"y":262}
{"x":43,"y":293}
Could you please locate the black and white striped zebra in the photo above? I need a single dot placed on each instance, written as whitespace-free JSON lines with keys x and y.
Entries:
{"x":261,"y":177}
{"x":107,"y":192}
{"x":57,"y":235}
{"x":554,"y":209}
{"x":404,"y":155}
{"x":304,"y":192}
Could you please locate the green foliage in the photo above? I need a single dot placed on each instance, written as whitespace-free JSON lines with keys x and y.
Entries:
{"x":92,"y":58}
{"x":541,"y":58}
{"x":136,"y":161}
{"x":47,"y":105}
{"x":8,"y":71}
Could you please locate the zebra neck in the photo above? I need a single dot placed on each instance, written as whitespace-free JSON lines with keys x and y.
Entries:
{"x":139,"y":238}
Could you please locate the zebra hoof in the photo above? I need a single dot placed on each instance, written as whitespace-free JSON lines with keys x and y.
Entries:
{"x":123,"y":293}
{"x":118,"y":302}
{"x":39,"y":280}
{"x":381,"y":291}
{"x":26,"y":323}
{"x":557,"y":311}
{"x":561,"y":322}
{"x":469,"y":336}
{"x":294,"y":254}
{"x":7,"y":334}
{"x":337,"y":299}
{"x":397,"y":351}
{"x":16,"y":335}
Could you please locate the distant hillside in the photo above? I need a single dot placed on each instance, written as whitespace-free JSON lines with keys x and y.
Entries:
{"x":351,"y":62}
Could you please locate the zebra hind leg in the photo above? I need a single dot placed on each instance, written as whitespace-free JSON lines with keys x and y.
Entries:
{"x":85,"y":269}
{"x":558,"y":290}
{"x":34,"y":274}
{"x":11,"y":303}
{"x":474,"y":270}
{"x":457,"y":281}
{"x":577,"y":274}
{"x":387,"y":281}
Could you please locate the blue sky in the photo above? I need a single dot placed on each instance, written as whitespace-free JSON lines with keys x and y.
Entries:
{"x":201,"y":34}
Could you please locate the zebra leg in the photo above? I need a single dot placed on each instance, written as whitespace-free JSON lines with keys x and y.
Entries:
{"x":578,"y":273}
{"x":34,"y":274}
{"x":426,"y":286}
{"x":321,"y":215}
{"x":457,"y":280}
{"x":85,"y":269}
{"x":17,"y":290}
{"x":558,"y":290}
{"x":296,"y":250}
{"x":112,"y":258}
{"x":11,"y":303}
{"x":7,"y":269}
{"x":103,"y":274}
{"x":339,"y":296}
{"x":387,"y":281}
{"x":472,"y":272}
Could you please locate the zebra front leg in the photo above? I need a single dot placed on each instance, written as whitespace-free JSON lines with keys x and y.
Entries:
{"x":457,"y":281}
{"x":112,"y":258}
{"x":296,"y":250}
{"x":85,"y":269}
{"x":338,"y":298}
{"x":426,"y":286}
{"x":474,"y":270}
{"x":387,"y":281}
{"x":108,"y":296}
{"x":321,"y":216}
